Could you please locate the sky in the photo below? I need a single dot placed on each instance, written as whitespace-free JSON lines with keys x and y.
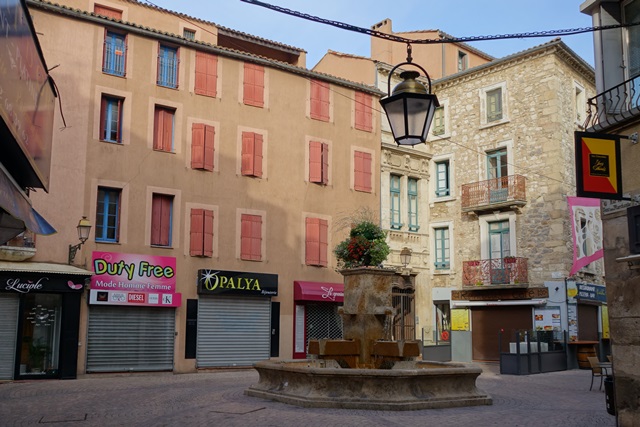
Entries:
{"x":458,"y":18}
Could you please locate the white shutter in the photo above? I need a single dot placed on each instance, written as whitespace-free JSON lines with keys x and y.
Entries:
{"x":233,"y":331}
{"x":130,"y":339}
{"x":9,"y":305}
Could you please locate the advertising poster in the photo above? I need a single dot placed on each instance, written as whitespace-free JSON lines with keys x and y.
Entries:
{"x":572,"y":317}
{"x":586,"y":230}
{"x":547,"y":319}
{"x":133,"y":279}
{"x":459,"y":319}
{"x":605,"y":321}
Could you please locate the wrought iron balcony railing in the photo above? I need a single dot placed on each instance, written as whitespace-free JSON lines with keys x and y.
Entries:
{"x":508,"y":271}
{"x":497,"y":192}
{"x":614,"y":106}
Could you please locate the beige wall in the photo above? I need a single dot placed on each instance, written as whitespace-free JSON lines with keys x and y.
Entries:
{"x":82,"y":162}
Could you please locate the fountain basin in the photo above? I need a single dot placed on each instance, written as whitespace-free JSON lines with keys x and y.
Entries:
{"x":409,"y":385}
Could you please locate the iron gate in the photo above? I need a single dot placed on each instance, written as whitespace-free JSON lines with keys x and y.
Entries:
{"x":323,"y":321}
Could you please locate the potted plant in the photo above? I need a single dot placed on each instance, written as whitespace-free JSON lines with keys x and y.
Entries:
{"x":365,"y":247}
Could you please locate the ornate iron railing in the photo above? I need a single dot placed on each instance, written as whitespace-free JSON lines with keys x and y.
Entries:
{"x":499,"y":271}
{"x":614,"y":106}
{"x":506,"y":189}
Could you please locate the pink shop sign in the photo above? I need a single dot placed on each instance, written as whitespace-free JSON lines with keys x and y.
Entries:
{"x":137,"y":279}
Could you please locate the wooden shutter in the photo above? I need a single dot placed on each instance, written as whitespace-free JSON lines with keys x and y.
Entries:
{"x":251,"y":237}
{"x":257,"y":155}
{"x":253,"y":85}
{"x":196,"y":245}
{"x":206,"y":74}
{"x":315,"y":161}
{"x":319,"y":100}
{"x":325,"y":163}
{"x":197,"y":146}
{"x":363,"y":116}
{"x":156,"y":219}
{"x":163,"y":129}
{"x":312,"y":242}
{"x":368,"y":113}
{"x":208,"y":233}
{"x":209,"y":147}
{"x":323,"y":241}
{"x":362,"y":172}
{"x":103,"y":118}
{"x":161,"y":220}
{"x":247,"y":153}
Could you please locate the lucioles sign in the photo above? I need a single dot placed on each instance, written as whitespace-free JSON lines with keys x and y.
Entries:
{"x":134,"y":280}
{"x":25,"y":283}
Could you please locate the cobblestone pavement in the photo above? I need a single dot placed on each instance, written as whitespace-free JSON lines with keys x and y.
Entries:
{"x":217,"y":399}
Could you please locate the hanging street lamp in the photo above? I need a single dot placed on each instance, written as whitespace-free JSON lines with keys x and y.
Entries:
{"x":410,"y":107}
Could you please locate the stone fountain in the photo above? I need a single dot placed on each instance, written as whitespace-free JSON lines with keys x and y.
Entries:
{"x":366,"y":369}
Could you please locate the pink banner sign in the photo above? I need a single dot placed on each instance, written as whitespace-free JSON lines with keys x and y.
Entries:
{"x":134,"y":279}
{"x":586,"y":230}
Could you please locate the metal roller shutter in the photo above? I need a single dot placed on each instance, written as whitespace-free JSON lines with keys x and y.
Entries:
{"x":130,"y":339}
{"x":233,"y":332}
{"x":9,"y":305}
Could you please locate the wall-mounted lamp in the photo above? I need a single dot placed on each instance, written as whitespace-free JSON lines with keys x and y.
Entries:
{"x":84,"y":227}
{"x":405,"y":256}
{"x":411,"y":106}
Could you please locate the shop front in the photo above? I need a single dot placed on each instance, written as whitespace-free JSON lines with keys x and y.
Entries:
{"x":132,"y":310}
{"x":234,"y":321}
{"x":316,"y":313}
{"x":39,"y":320}
{"x":584,"y":307}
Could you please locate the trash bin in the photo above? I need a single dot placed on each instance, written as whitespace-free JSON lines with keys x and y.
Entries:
{"x":609,"y":396}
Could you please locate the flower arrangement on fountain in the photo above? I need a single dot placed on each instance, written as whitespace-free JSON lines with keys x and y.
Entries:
{"x":366,"y":246}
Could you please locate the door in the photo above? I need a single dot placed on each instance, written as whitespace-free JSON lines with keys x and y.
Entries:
{"x":486,"y":324}
{"x":497,"y":173}
{"x":41,"y":319}
{"x":499,"y":248}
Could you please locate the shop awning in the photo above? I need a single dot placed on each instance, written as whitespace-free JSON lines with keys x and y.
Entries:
{"x":458,"y":304}
{"x":14,"y":202}
{"x":318,"y":291}
{"x":43,"y":267}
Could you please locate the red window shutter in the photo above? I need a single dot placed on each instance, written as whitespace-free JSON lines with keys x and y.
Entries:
{"x":323,"y":234}
{"x":197,"y":235}
{"x":251,"y":237}
{"x":167,"y":130}
{"x":325,"y":163}
{"x":312,"y":243}
{"x":209,"y":139}
{"x":157,"y":129}
{"x":206,"y":74}
{"x":253,"y":85}
{"x":324,"y":101}
{"x":366,"y":163}
{"x":156,"y":219}
{"x":358,"y":172}
{"x":197,"y":146}
{"x":165,"y":224}
{"x":107,"y":11}
{"x":247,"y":153}
{"x":208,"y":233}
{"x":319,"y":100}
{"x":363,"y":119}
{"x":315,"y":162}
{"x":257,"y":155}
{"x":177,"y":67}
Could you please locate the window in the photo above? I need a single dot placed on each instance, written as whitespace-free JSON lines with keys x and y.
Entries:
{"x":107,"y":11}
{"x":394,"y":189}
{"x":362,"y":171}
{"x":438,"y":121}
{"x":633,"y":222}
{"x":497,"y":166}
{"x":111,"y":119}
{"x":206,"y":74}
{"x":108,"y":214}
{"x":412,"y":201}
{"x":318,"y":162}
{"x":252,"y":144}
{"x":316,"y":242}
{"x":202,"y":146}
{"x":320,"y":100}
{"x":167,"y":66}
{"x":364,"y":113}
{"x":462,"y":61}
{"x":201,"y":229}
{"x":251,"y":237}
{"x":161,"y":219}
{"x":189,"y":34}
{"x":114,"y":53}
{"x":580,"y":104}
{"x":632,"y":15}
{"x":442,"y":243}
{"x":253,"y":85}
{"x":494,"y":105}
{"x":443,"y":320}
{"x":163,"y":129}
{"x":442,"y":179}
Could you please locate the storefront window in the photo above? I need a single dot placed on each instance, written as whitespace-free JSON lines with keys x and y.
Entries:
{"x":443,"y":322}
{"x":40,"y":334}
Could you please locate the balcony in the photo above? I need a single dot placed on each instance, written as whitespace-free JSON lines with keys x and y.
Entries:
{"x":614,"y":107}
{"x":506,"y":191}
{"x":20,"y":248}
{"x":510,"y":272}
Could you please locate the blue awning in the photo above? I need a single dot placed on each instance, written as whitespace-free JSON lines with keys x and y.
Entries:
{"x":18,"y":205}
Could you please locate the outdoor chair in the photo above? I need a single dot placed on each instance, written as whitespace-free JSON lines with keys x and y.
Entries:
{"x":596,"y":371}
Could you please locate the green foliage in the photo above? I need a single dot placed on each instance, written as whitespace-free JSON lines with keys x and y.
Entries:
{"x":365,"y":247}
